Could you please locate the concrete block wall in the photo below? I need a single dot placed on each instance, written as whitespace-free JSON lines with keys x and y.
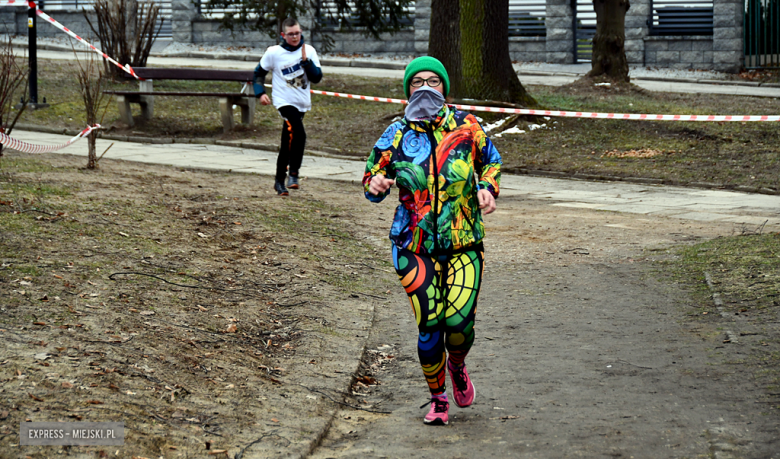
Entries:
{"x":722,"y":51}
{"x":559,"y":46}
{"x":422,"y":26}
{"x":8,"y":19}
{"x":636,"y":30}
{"x":727,"y":38}
{"x":528,"y":49}
{"x":72,"y":19}
{"x":681,"y":52}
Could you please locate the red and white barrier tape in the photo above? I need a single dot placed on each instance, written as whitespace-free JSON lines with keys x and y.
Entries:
{"x":18,"y":145}
{"x":617,"y":116}
{"x":56,"y":24}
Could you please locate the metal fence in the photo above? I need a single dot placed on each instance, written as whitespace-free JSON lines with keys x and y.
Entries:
{"x":680,"y":17}
{"x":526,"y":18}
{"x":762,"y":34}
{"x":584,"y":30}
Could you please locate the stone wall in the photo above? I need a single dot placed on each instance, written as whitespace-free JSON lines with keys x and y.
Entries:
{"x":679,"y":52}
{"x":721,"y":51}
{"x":72,"y":19}
{"x":400,"y":44}
{"x":528,"y":49}
{"x":559,"y":46}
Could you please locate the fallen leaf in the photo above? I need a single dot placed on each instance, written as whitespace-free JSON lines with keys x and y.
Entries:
{"x":42,"y":356}
{"x":203,"y":235}
{"x":44,"y":298}
{"x":94,"y":402}
{"x":66,"y":385}
{"x":274,"y":420}
{"x":34,"y":397}
{"x":217,"y":451}
{"x":58,"y":277}
{"x":39,"y":323}
{"x":231,"y":328}
{"x":124,"y":234}
{"x":147,"y":313}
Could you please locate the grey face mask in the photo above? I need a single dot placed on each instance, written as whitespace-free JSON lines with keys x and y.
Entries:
{"x":424,"y":104}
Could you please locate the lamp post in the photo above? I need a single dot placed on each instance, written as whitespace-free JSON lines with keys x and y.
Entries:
{"x":32,"y":38}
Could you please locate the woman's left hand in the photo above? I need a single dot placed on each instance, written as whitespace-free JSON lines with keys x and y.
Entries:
{"x":486,"y":201}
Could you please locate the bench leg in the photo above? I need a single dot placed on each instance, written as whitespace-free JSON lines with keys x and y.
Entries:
{"x":248,"y":111}
{"x":147,"y":102}
{"x":125,"y":114}
{"x":147,"y":107}
{"x":226,"y":109}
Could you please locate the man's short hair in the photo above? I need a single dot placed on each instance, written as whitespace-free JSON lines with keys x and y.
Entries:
{"x":289,"y":22}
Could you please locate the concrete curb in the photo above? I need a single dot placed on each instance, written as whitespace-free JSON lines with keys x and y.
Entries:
{"x":515,"y":171}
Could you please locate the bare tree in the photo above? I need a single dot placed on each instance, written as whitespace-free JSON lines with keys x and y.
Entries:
{"x":126,"y":30}
{"x":609,"y":43}
{"x":13,"y":76}
{"x":471,"y":39}
{"x":92,"y":79}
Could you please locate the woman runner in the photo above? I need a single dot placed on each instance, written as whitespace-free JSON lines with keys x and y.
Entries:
{"x":448,"y":174}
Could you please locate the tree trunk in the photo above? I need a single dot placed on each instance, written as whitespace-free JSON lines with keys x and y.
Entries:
{"x":92,"y":162}
{"x":609,"y":43}
{"x":471,"y":39}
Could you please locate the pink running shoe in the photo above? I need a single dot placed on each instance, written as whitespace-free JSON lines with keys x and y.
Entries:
{"x":462,"y":388}
{"x":438,"y":414}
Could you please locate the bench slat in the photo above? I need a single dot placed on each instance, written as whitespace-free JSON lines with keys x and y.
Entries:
{"x":153,"y":73}
{"x":166,"y":93}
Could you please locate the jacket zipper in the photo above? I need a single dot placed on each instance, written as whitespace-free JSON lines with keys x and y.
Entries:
{"x":435,"y":197}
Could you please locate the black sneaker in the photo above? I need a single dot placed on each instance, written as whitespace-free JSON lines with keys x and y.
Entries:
{"x":280,"y":189}
{"x":292,"y":182}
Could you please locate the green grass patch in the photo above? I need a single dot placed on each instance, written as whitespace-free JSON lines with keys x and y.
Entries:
{"x":744,"y":270}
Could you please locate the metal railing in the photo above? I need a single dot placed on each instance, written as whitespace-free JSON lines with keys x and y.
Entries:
{"x":584,"y":30}
{"x":762,"y":34}
{"x":680,"y":17}
{"x":526,"y":18}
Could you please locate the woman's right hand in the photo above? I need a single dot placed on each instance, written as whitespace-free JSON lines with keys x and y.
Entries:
{"x":379,"y":184}
{"x":264,"y":99}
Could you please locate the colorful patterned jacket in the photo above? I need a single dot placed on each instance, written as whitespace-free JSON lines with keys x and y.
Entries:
{"x":439,"y":211}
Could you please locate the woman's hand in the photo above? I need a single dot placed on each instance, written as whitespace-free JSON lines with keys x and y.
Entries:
{"x":264,"y":99}
{"x":379,"y":184}
{"x":303,"y":53}
{"x":486,"y":201}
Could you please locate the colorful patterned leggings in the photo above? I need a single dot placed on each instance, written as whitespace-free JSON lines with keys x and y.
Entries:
{"x":444,"y":306}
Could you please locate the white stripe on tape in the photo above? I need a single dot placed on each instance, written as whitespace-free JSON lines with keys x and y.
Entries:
{"x":617,"y":116}
{"x":18,"y":145}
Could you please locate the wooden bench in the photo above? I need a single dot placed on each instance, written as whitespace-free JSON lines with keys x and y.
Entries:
{"x":145,"y":96}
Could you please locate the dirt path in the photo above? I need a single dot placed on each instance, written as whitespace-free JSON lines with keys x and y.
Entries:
{"x":580,"y":352}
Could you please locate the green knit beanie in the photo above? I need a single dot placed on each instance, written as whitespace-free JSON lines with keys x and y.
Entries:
{"x":422,"y":64}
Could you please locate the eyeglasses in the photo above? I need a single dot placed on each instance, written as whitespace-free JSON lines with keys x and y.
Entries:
{"x":292,"y":34}
{"x":432,"y":82}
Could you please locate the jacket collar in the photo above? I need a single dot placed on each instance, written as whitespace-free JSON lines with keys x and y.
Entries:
{"x":442,"y":118}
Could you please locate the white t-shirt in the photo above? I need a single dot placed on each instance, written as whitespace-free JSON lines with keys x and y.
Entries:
{"x":289,"y":81}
